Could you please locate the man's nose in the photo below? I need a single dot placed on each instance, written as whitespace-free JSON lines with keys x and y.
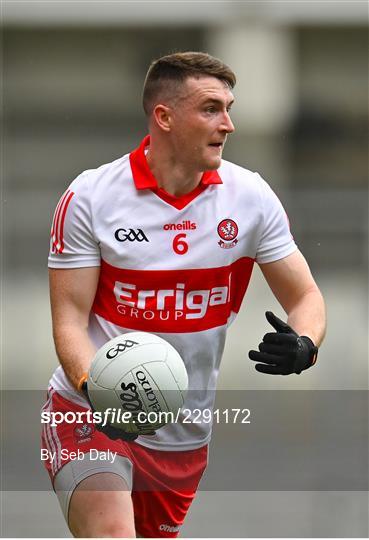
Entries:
{"x":227,"y":124}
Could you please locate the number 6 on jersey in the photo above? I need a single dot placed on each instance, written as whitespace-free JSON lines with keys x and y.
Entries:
{"x":180,"y":246}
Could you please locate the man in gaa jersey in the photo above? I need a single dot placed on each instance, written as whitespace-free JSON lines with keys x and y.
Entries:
{"x":164,"y":240}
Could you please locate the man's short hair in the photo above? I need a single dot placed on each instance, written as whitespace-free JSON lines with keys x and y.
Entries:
{"x":166,"y":74}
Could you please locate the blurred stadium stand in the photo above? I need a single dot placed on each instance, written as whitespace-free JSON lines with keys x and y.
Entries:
{"x":72,"y":101}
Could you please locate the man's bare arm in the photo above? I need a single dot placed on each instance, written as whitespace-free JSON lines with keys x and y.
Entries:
{"x":294,"y":287}
{"x":72,"y":292}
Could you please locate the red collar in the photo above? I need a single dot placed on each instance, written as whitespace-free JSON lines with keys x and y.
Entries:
{"x":144,"y":179}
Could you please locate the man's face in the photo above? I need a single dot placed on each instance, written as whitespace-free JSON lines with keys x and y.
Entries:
{"x":201,"y":122}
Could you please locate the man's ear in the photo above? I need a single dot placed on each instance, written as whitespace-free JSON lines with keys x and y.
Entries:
{"x":162,"y":116}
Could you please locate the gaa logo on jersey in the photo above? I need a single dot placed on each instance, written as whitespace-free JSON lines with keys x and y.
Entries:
{"x":131,"y":235}
{"x":228,"y":231}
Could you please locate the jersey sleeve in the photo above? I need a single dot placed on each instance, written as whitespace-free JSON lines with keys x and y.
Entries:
{"x":72,"y":242}
{"x":276,"y":240}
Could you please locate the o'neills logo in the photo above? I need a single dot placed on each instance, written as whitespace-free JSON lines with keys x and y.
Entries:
{"x":184,"y":226}
{"x":169,"y":528}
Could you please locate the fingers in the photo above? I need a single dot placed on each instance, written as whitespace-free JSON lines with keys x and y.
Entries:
{"x":278,"y":324}
{"x":277,"y":352}
{"x":272,"y":365}
{"x":280,"y":339}
{"x":271,"y":359}
{"x":271,"y":370}
{"x":272,"y":349}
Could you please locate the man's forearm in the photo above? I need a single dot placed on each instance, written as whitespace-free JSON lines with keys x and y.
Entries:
{"x":308,"y":316}
{"x":75,"y":351}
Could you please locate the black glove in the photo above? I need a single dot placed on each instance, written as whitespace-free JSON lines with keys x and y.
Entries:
{"x":283,"y":352}
{"x":112,"y":432}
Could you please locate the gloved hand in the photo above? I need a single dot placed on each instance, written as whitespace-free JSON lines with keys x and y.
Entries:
{"x":112,"y":432}
{"x":283,"y":352}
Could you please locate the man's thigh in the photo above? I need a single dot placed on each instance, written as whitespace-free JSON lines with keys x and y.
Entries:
{"x":101,"y":506}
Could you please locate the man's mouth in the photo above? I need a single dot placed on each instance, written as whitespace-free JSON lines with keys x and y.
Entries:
{"x":216,"y":145}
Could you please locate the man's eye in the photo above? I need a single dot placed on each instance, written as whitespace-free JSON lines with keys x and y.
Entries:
{"x":211,"y":109}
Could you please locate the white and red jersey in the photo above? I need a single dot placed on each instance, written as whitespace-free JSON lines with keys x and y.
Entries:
{"x":175,"y":266}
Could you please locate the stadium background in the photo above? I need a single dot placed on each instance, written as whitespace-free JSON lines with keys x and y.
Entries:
{"x":72,"y":78}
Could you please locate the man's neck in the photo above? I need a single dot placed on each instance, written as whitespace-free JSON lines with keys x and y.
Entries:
{"x":172,"y":176}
